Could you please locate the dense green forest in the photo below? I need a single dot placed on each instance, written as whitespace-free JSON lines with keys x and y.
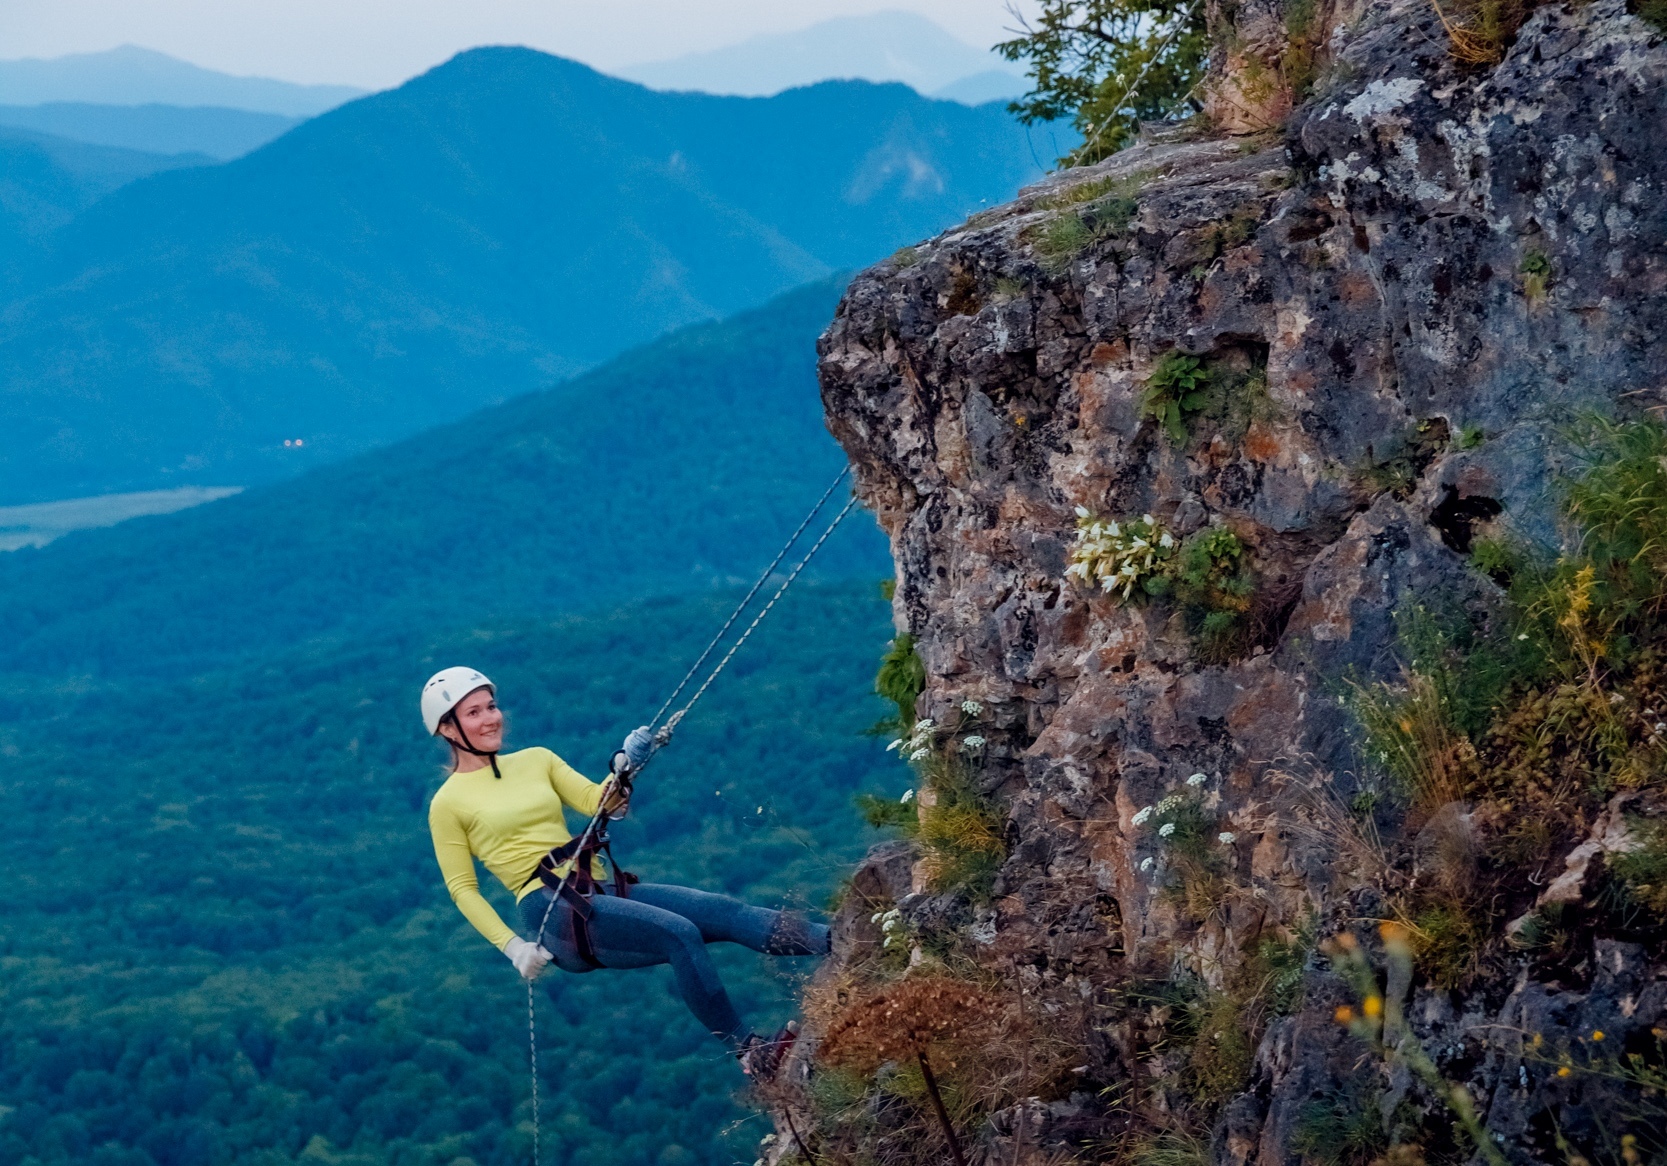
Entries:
{"x":679,"y":466}
{"x":226,"y":941}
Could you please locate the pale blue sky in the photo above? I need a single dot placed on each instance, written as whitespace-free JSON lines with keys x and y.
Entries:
{"x":375,"y":43}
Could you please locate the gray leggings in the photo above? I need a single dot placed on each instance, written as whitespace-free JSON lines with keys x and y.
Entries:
{"x":662,"y":924}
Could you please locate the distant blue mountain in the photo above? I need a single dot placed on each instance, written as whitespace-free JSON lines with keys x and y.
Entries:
{"x":45,"y":181}
{"x":130,"y":75}
{"x":502,"y":221}
{"x":158,"y":129}
{"x":876,"y":46}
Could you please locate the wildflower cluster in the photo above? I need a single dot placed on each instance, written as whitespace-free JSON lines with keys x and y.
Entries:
{"x":1381,"y":1023}
{"x":1177,"y":811}
{"x":891,"y":922}
{"x":917,"y":746}
{"x":1120,"y":556}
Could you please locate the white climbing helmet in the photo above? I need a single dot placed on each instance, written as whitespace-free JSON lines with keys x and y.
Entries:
{"x":446,"y":689}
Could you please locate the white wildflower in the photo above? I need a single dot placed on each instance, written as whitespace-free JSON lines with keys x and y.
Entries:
{"x":1197,"y":780}
{"x":908,"y":796}
{"x":924,"y":726}
{"x":1166,"y":830}
{"x":1148,"y":520}
{"x":1227,"y":837}
{"x":918,"y":754}
{"x":895,"y":744}
{"x":972,"y":708}
{"x":1166,"y":540}
{"x":1523,"y":636}
{"x":972,"y":743}
{"x":1146,"y":864}
{"x":1082,"y":512}
{"x":1169,"y":803}
{"x":1142,"y":815}
{"x":1114,"y":530}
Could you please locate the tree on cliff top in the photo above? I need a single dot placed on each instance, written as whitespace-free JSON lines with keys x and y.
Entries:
{"x":1106,"y":64}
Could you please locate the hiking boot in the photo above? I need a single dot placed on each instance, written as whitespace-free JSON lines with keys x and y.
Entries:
{"x":761,"y":1059}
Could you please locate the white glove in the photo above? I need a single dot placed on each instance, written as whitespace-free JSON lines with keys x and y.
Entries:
{"x":638,"y":746}
{"x":529,"y":959}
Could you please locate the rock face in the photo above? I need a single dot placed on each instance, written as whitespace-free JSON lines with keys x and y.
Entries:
{"x":1437,"y":268}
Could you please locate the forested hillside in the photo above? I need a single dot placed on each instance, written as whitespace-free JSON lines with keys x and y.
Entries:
{"x":682,"y":465}
{"x":507,"y":219}
{"x":226,"y":942}
{"x":46,"y":180}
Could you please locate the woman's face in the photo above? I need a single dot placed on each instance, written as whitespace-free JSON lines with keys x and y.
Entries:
{"x":482,"y":721}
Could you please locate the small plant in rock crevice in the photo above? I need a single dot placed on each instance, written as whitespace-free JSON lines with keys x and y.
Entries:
{"x":1643,"y":869}
{"x":1194,"y":851}
{"x":1189,"y":396}
{"x":1209,"y":576}
{"x":1480,"y":31}
{"x":1344,"y":1128}
{"x":1536,"y":276}
{"x":958,"y":827}
{"x":1174,"y":391}
{"x":1215,"y":587}
{"x":1121,"y":556}
{"x":1064,"y":237}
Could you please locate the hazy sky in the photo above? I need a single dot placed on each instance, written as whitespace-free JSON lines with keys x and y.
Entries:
{"x":374,"y":43}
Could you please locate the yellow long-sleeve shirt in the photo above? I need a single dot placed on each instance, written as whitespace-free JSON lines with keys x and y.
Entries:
{"x":509,"y":823}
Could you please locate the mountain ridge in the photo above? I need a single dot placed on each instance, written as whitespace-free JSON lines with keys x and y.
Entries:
{"x":507,"y":219}
{"x":131,"y":75}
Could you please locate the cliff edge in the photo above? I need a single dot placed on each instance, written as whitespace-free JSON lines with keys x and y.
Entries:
{"x":1217,"y":476}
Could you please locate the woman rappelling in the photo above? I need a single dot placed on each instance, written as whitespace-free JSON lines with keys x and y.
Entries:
{"x":507,"y":809}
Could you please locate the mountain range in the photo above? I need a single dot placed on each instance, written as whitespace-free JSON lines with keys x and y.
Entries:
{"x":214,"y":131}
{"x":501,"y":222}
{"x":876,"y":46}
{"x":130,"y":75}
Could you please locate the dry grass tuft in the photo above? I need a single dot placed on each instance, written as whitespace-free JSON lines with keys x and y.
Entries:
{"x":904,"y":1019}
{"x":1480,"y":31}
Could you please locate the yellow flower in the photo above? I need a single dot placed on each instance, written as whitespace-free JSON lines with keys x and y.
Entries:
{"x":1597,"y":1034}
{"x":1538,"y":1041}
{"x":1373,"y":1007}
{"x":1344,"y":1014}
{"x":1391,"y":931}
{"x":1564,"y":1071}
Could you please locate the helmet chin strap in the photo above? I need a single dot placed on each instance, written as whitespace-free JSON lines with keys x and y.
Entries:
{"x":468,"y":747}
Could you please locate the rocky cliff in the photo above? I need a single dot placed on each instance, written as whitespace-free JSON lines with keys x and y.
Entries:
{"x":1211,"y":471}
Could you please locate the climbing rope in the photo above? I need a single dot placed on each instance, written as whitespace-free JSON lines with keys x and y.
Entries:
{"x":532,"y":1058}
{"x":662,"y":736}
{"x":748,"y":598}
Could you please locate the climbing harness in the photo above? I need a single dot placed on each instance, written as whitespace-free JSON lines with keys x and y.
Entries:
{"x":579,"y":884}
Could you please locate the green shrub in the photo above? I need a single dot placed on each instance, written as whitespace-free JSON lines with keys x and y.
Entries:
{"x":1536,"y":275}
{"x":889,"y":813}
{"x":901,"y":680}
{"x":1340,"y":1129}
{"x":1174,"y":391}
{"x":1652,"y":13}
{"x":1215,"y":587}
{"x":1644,"y":871}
